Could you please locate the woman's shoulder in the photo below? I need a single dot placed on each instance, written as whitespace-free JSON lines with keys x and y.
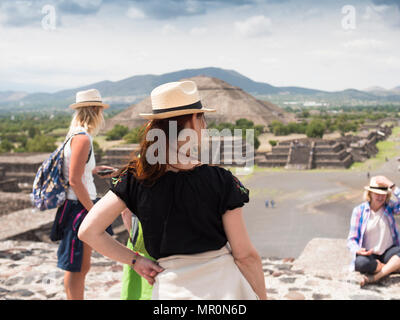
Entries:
{"x":224,"y":177}
{"x":215,"y":172}
{"x":362,"y":207}
{"x":215,"y":169}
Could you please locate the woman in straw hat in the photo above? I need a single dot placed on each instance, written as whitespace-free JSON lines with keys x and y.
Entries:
{"x":373,"y":238}
{"x":78,"y":169}
{"x":190,"y":212}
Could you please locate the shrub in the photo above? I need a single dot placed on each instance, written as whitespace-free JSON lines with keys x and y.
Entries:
{"x":6,"y":146}
{"x":135,"y":135}
{"x":41,"y":143}
{"x":273,"y":143}
{"x":117,"y":133}
{"x":316,"y":129}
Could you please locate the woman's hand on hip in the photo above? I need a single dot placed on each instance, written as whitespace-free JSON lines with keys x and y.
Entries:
{"x":147,"y":269}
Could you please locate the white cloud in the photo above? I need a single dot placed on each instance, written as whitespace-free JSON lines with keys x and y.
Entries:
{"x":292,"y":50}
{"x":254,"y":26}
{"x":135,"y":13}
{"x":193,"y":7}
{"x":374,"y":12}
{"x":364,"y":44}
{"x":169,"y":29}
{"x":198,"y":31}
{"x":391,"y":61}
{"x":270,"y":61}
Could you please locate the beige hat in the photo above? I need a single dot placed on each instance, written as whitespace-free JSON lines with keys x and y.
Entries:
{"x":376,"y":188}
{"x":89,"y":98}
{"x":175,"y":99}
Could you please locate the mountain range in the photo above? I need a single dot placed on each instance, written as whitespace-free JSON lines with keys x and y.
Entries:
{"x":133,"y":89}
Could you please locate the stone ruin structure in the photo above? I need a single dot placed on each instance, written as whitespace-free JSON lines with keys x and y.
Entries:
{"x":320,"y":153}
{"x":363,"y":146}
{"x":221,"y":151}
{"x":307,"y":154}
{"x":17,"y":173}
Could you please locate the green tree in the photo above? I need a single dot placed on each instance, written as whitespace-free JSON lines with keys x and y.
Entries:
{"x":33,"y":131}
{"x":6,"y":146}
{"x":279,"y":129}
{"x":41,"y":143}
{"x":316,"y":129}
{"x":135,"y":135}
{"x":244,"y":123}
{"x":117,"y":133}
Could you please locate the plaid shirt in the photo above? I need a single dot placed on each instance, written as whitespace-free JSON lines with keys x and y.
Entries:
{"x":359,"y":221}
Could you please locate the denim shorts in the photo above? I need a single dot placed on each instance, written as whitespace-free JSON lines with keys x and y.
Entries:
{"x":65,"y":228}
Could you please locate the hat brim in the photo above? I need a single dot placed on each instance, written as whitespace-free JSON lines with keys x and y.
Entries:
{"x":367,"y":188}
{"x":89,"y":104}
{"x":170,"y":114}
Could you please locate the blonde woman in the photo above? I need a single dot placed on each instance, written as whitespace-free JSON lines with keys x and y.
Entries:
{"x":374,"y":238}
{"x":78,"y":169}
{"x":191,"y":213}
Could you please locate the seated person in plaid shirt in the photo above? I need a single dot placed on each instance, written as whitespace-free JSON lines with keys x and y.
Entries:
{"x":373,"y":238}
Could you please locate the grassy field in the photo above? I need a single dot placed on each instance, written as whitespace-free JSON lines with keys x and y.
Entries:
{"x":104,"y":144}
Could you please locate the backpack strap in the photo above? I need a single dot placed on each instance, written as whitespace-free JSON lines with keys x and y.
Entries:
{"x":75,"y":134}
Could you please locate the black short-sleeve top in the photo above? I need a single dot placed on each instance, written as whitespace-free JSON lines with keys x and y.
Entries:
{"x":181,"y":213}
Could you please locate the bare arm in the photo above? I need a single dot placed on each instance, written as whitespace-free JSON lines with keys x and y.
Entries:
{"x":395,"y":191}
{"x":127,"y":219}
{"x":80,"y":147}
{"x":92,"y":231}
{"x":243,"y":251}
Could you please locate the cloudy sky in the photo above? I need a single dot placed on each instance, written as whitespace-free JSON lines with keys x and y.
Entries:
{"x":49,"y":45}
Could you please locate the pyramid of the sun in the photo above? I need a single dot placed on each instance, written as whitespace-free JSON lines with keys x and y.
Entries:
{"x":231,"y":103}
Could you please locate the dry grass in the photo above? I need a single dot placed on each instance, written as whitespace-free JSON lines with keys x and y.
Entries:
{"x":105,"y":145}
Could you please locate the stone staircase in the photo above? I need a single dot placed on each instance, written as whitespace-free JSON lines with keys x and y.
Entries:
{"x":119,"y":156}
{"x":307,"y":154}
{"x":299,"y":156}
{"x":331,"y":155}
{"x":228,"y":153}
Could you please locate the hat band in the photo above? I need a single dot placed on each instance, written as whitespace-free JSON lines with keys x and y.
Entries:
{"x":196,"y":105}
{"x":380,"y":188}
{"x":90,"y":101}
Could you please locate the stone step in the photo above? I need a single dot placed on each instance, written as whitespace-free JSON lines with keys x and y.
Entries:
{"x":271,"y":163}
{"x":331,"y":155}
{"x":345,"y":163}
{"x":122,"y":151}
{"x":22,"y":221}
{"x":273,"y":156}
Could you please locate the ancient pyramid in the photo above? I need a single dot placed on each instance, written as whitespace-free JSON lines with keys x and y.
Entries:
{"x":232,"y":103}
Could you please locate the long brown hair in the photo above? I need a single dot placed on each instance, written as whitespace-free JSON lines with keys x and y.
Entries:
{"x":138,"y":164}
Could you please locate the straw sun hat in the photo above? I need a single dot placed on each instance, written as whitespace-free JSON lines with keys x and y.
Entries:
{"x":175,"y":99}
{"x":88,"y":98}
{"x":376,"y":188}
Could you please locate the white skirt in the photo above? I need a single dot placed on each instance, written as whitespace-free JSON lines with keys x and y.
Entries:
{"x":211,"y":275}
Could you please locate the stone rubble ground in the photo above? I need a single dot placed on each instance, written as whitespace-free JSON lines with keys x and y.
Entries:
{"x":28,"y":271}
